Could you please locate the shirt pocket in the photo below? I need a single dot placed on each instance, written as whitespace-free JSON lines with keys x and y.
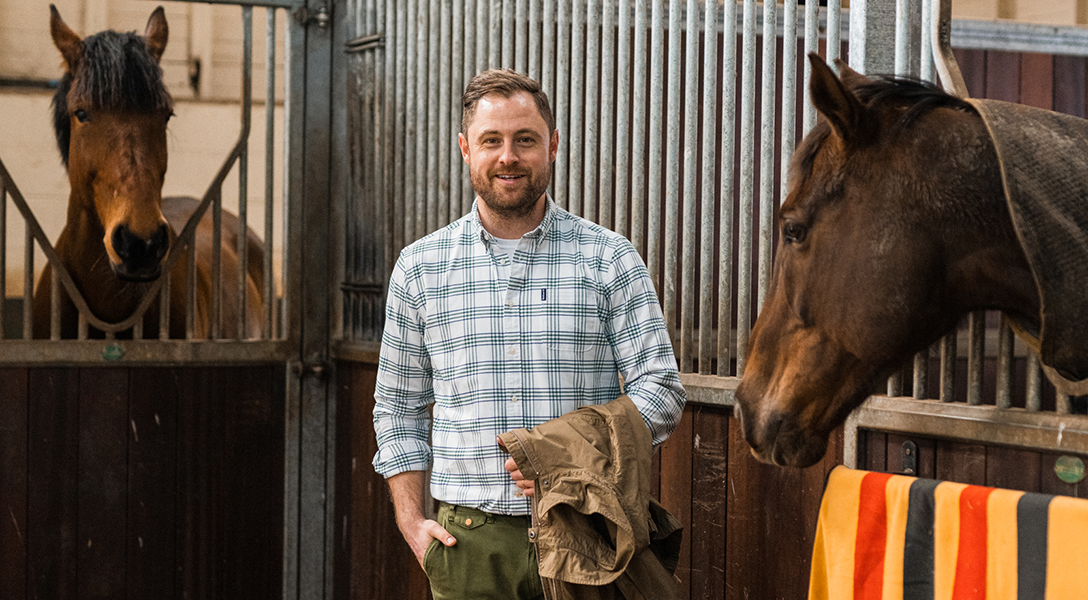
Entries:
{"x":573,"y":324}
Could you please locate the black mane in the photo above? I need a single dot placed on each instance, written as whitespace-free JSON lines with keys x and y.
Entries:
{"x":116,"y":71}
{"x":918,"y":96}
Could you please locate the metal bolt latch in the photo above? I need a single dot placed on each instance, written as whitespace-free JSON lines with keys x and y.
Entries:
{"x":320,"y":16}
{"x":303,"y":369}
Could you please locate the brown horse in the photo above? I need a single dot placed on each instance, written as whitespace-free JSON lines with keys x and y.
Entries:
{"x":896,"y":225}
{"x":110,"y":118}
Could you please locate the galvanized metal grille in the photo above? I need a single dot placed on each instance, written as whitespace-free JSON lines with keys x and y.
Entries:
{"x":236,"y":164}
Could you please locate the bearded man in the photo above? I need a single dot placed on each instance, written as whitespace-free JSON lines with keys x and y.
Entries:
{"x":513,"y":315}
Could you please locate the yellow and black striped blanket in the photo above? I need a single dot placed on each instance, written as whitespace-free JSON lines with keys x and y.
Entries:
{"x":892,"y":537}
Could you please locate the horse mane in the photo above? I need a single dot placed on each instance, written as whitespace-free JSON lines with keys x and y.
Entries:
{"x":115,"y":70}
{"x":916,"y":96}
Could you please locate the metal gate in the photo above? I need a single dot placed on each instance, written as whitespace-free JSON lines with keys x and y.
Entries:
{"x":271,"y":392}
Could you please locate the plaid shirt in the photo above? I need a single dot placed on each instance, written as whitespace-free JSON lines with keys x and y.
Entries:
{"x":496,"y":344}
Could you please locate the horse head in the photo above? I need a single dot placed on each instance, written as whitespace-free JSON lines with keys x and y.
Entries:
{"x":110,"y":114}
{"x":893,"y":223}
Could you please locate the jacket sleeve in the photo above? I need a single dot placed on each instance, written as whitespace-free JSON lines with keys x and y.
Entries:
{"x":403,"y":392}
{"x":640,"y":343}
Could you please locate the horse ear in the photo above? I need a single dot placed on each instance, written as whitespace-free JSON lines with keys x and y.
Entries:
{"x":156,"y":33}
{"x":66,"y":40}
{"x":850,"y":77}
{"x":834,"y":101}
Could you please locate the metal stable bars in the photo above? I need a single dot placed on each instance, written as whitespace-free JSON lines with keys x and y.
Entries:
{"x":237,"y":161}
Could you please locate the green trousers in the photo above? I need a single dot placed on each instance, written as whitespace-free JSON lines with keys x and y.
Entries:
{"x":493,"y":558}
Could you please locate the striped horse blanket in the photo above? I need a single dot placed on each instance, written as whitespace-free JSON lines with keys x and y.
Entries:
{"x":892,"y":537}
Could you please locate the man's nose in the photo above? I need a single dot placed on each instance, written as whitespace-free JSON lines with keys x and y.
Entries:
{"x":509,"y":153}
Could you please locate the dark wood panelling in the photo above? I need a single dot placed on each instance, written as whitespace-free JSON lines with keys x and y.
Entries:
{"x":103,"y":465}
{"x":709,"y":485}
{"x":152,"y":485}
{"x":13,"y":483}
{"x":676,"y":484}
{"x":52,"y":482}
{"x":141,"y":482}
{"x":1037,"y":80}
{"x":1069,"y":85}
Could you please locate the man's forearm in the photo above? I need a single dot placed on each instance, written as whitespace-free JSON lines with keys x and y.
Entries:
{"x":407,"y":491}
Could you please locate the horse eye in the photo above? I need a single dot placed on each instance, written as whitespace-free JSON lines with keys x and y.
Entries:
{"x":81,"y":115}
{"x":794,"y":233}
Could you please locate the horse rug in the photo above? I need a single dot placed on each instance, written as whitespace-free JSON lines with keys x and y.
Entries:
{"x":1044,"y":168}
{"x":883,"y":536}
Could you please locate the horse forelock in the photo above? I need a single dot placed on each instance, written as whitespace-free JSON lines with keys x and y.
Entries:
{"x":914,"y":97}
{"x":116,"y":71}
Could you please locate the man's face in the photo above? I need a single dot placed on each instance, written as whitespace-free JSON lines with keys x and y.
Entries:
{"x":509,"y":151}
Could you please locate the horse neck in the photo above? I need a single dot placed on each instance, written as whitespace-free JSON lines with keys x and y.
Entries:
{"x":79,"y":245}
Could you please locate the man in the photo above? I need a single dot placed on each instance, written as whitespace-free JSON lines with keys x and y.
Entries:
{"x":515,"y":314}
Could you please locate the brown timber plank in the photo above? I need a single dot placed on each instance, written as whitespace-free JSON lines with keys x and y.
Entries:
{"x":1002,"y":76}
{"x":676,"y":475}
{"x":709,"y":472}
{"x":1013,"y":468}
{"x":52,"y":488}
{"x":103,"y":474}
{"x":13,"y":483}
{"x":1037,"y":80}
{"x":152,"y":485}
{"x":1069,"y":85}
{"x":962,"y":463}
{"x":197,"y":449}
{"x":973,"y":68}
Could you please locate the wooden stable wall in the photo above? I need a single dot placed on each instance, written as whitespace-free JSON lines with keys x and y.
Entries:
{"x":747,"y":526}
{"x":141,"y":482}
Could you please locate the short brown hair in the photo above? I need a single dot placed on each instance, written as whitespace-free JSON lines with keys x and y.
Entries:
{"x":505,"y":83}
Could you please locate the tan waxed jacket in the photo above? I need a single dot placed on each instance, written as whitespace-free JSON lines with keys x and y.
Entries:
{"x":599,"y":533}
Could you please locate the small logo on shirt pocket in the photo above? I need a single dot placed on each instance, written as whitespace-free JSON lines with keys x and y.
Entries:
{"x":543,"y":294}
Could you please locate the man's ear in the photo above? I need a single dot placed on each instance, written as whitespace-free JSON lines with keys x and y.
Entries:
{"x":554,"y":145}
{"x":462,"y":142}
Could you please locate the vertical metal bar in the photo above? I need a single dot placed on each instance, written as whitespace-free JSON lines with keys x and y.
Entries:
{"x":483,"y":31}
{"x":436,"y":24}
{"x":535,"y":43}
{"x":706,"y":234}
{"x":440,"y":115}
{"x":521,"y":40}
{"x":592,"y":106}
{"x":82,"y":326}
{"x":54,"y":302}
{"x":834,"y":30}
{"x":423,"y":34}
{"x":725,"y":191}
{"x":243,"y":168}
{"x":638,"y":134}
{"x":28,"y":282}
{"x":164,"y":305}
{"x":269,"y":291}
{"x":217,"y":266}
{"x":623,"y":116}
{"x":766,"y":155}
{"x":948,"y":367}
{"x":508,"y":34}
{"x":547,"y":54}
{"x":494,"y":27}
{"x":789,"y":91}
{"x":608,"y":107}
{"x":562,"y":103}
{"x":452,"y":104}
{"x":902,"y":37}
{"x":3,"y":255}
{"x":467,"y":195}
{"x":1033,"y":401}
{"x":576,"y":107}
{"x":927,"y":69}
{"x":689,"y":86}
{"x":1004,"y":365}
{"x":137,"y":330}
{"x":812,"y":44}
{"x":976,"y":356}
{"x":657,"y":85}
{"x":1063,"y":404}
{"x":190,"y":288}
{"x":921,"y":374}
{"x":747,"y":183}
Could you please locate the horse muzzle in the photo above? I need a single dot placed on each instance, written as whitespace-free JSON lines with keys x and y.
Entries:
{"x":776,"y":438}
{"x":140,"y":259}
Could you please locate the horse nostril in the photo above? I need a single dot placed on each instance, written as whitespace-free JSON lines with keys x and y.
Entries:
{"x":137,"y":251}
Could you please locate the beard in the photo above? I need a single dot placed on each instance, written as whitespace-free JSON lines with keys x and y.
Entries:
{"x":512,"y":204}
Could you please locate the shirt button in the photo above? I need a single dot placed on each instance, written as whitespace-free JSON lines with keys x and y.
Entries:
{"x":513,"y":351}
{"x":510,"y":303}
{"x":514,"y":398}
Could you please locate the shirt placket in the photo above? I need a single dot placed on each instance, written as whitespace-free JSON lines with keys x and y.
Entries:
{"x":512,"y":338}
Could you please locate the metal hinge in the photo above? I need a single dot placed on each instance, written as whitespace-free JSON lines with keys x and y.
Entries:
{"x":313,"y":368}
{"x":321,"y":16}
{"x":365,"y":42}
{"x":910,"y":458}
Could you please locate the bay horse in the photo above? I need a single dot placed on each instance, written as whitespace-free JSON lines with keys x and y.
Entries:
{"x":110,"y":115}
{"x":895,"y":226}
